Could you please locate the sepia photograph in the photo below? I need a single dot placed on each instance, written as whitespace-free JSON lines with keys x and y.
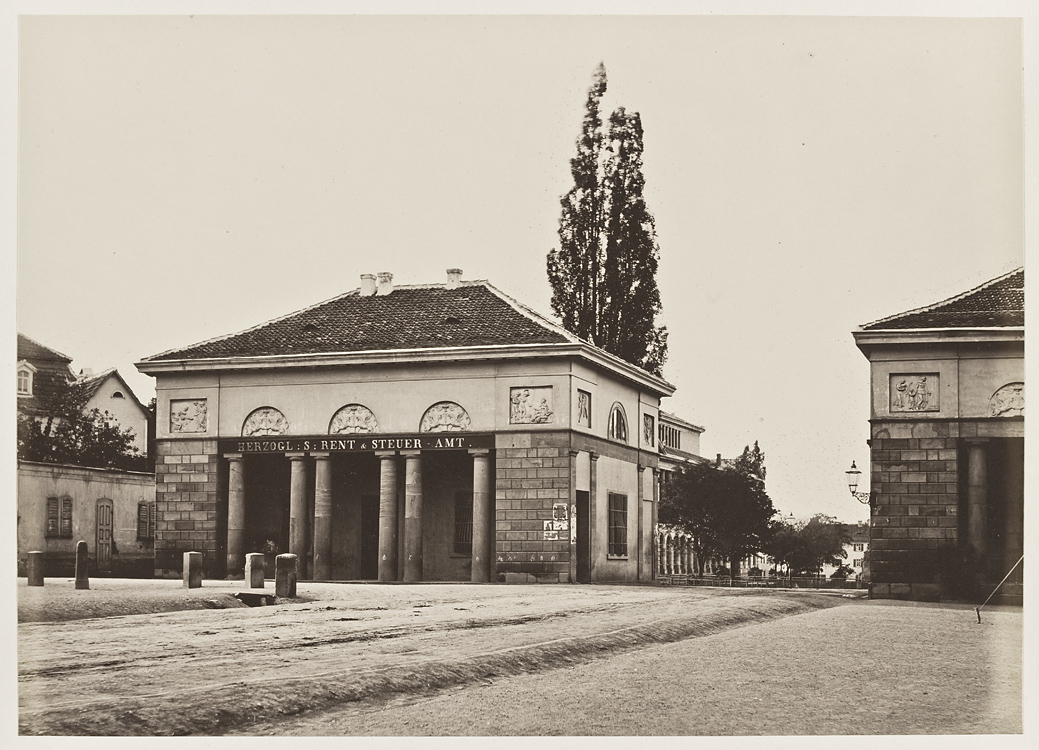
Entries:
{"x":458,"y":370}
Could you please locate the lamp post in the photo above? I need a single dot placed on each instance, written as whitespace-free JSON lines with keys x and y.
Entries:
{"x":866,"y":498}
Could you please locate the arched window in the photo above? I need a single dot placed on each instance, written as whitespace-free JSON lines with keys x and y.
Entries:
{"x":117,"y":394}
{"x":618,"y":429}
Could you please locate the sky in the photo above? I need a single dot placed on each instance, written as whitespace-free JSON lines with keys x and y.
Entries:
{"x":183,"y":177}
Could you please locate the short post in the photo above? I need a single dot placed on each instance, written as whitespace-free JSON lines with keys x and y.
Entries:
{"x":82,"y":562}
{"x":192,"y":570}
{"x":285,"y":575}
{"x":254,"y":570}
{"x":34,"y":568}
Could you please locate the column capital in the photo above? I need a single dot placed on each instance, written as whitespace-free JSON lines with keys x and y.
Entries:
{"x":233,"y":456}
{"x":411,"y":453}
{"x":976,"y":440}
{"x":295,"y":456}
{"x":320,"y":454}
{"x":385,"y":454}
{"x":479,"y":451}
{"x":642,"y":467}
{"x":574,"y":453}
{"x":593,"y":455}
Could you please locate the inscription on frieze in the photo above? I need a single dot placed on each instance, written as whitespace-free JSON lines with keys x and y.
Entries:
{"x":530,"y":405}
{"x":1008,"y":401}
{"x":188,"y":415}
{"x":914,"y":393}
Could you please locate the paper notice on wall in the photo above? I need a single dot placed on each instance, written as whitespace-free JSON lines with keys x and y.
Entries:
{"x":553,"y":528}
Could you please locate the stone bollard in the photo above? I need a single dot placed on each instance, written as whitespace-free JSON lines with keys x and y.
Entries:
{"x":34,"y":568}
{"x":82,"y":562}
{"x":192,"y":570}
{"x":254,"y":570}
{"x":285,"y":575}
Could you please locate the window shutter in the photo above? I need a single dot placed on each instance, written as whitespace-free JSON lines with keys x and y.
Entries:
{"x":66,"y":516}
{"x":151,"y":521}
{"x":52,"y":516}
{"x":143,"y":518}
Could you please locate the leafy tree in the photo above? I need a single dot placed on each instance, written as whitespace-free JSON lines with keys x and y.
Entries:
{"x":726,"y":512}
{"x":805,"y":547}
{"x":751,"y":461}
{"x":66,"y":434}
{"x":603,"y":275}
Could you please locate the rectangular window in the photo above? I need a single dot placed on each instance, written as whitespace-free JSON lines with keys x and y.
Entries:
{"x":856,"y":548}
{"x":857,"y":563}
{"x":618,"y":525}
{"x":59,"y":517}
{"x":463,"y":523}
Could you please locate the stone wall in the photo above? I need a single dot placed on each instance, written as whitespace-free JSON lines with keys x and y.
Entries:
{"x":532,"y":475}
{"x":190,"y":486}
{"x":916,"y":514}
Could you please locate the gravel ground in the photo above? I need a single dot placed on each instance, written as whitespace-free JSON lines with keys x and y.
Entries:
{"x":206,"y":672}
{"x":865,"y":669}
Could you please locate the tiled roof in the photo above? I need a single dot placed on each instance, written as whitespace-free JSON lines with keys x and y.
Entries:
{"x":88,"y":386}
{"x":410,"y":317}
{"x":34,"y":350}
{"x":999,"y":303}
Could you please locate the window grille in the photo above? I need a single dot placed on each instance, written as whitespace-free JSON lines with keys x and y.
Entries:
{"x":463,"y":523}
{"x":618,"y":525}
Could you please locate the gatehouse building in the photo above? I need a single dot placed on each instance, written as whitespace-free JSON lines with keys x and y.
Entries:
{"x":433,"y":432}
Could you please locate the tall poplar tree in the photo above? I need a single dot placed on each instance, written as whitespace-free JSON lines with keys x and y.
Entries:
{"x":603,"y":276}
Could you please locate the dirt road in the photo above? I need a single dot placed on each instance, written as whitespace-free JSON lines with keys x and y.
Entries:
{"x":530,"y":658}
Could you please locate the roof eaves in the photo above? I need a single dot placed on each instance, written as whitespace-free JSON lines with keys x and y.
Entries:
{"x":43,"y":346}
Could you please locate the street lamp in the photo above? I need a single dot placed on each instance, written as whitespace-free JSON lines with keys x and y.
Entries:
{"x":866,"y":498}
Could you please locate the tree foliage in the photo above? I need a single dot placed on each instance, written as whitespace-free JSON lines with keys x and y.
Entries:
{"x":751,"y":461}
{"x":603,"y":275}
{"x":727,"y":512}
{"x":805,"y":547}
{"x":66,"y":434}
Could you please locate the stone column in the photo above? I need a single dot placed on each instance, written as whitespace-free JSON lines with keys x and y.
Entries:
{"x":977,"y":496}
{"x":572,"y":517}
{"x":34,"y":569}
{"x":656,"y":503}
{"x":82,"y":563}
{"x":235,"y":514}
{"x":387,"y":515}
{"x":483,"y":517}
{"x":322,"y":516}
{"x":595,"y":545}
{"x":298,"y":516}
{"x":412,"y":515}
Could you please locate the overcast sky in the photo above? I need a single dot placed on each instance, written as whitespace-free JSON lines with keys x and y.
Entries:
{"x":185,"y":177}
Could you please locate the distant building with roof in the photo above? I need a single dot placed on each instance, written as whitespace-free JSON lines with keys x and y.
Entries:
{"x":408,"y":432}
{"x":59,"y":503}
{"x":947,"y":442}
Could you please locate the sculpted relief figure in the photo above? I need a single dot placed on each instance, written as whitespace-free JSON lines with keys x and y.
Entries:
{"x":530,"y":406}
{"x":188,"y":416}
{"x":584,"y":408}
{"x":445,"y":416}
{"x":1008,"y":401}
{"x":265,"y":421}
{"x":913,"y":394}
{"x":353,"y":418}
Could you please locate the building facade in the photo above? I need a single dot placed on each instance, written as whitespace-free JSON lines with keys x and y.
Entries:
{"x":947,"y":442}
{"x":417,"y":433}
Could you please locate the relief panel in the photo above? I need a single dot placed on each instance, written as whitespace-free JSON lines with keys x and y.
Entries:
{"x":913,"y":393}
{"x":584,"y":408}
{"x":265,"y":421}
{"x":530,"y":405}
{"x":445,"y":416}
{"x":188,"y":415}
{"x":1008,"y":401}
{"x":353,"y":418}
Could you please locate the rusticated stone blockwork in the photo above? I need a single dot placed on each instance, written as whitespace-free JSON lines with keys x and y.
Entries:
{"x":916,"y":480}
{"x":189,"y":487}
{"x":532,"y":475}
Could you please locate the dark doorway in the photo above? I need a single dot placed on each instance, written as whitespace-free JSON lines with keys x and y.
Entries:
{"x":584,"y":547}
{"x":1005,"y":518}
{"x":369,"y":562}
{"x":267,"y":480}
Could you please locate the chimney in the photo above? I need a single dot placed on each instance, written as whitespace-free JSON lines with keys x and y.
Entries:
{"x":367,"y":284}
{"x":454,"y":277}
{"x":719,"y":460}
{"x":385,"y":283}
{"x":86,"y":372}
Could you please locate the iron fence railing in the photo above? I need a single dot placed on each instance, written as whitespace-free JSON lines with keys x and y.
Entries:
{"x":772,"y":582}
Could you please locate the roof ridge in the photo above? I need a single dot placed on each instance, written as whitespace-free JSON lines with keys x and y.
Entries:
{"x":955,"y":298}
{"x":97,"y":376}
{"x":44,"y":346}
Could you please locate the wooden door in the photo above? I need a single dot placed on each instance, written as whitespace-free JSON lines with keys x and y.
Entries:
{"x":104,"y":536}
{"x":584,"y":545}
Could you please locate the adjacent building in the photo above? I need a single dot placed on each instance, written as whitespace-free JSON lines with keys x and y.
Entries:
{"x":947,"y":406}
{"x":420,"y":432}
